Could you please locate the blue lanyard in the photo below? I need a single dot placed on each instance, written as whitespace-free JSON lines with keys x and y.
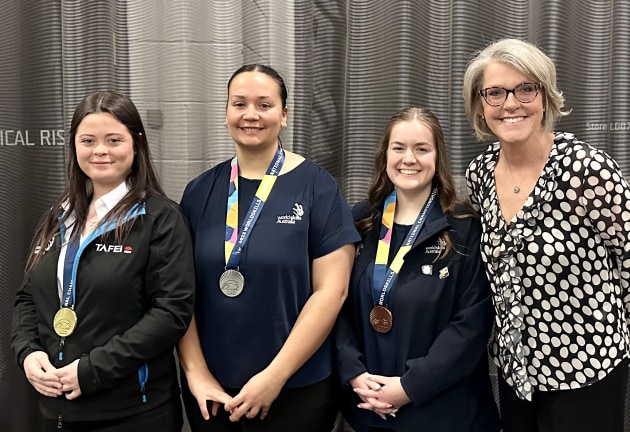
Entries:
{"x":74,"y":250}
{"x":68,"y":288}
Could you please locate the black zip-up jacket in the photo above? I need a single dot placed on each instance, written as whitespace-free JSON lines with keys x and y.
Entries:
{"x":134,"y":301}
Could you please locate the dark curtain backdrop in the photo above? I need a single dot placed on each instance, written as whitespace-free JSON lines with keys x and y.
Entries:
{"x":349,"y":65}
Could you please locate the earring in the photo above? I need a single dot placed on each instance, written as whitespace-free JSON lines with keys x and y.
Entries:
{"x":225,"y":125}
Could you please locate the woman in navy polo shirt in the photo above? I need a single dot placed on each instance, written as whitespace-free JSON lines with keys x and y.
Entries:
{"x":273,"y":251}
{"x":412,"y":335}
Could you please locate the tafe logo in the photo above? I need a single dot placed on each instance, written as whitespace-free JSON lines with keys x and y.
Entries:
{"x":100,"y":247}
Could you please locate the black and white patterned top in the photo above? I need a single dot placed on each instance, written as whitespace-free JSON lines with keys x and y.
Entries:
{"x":559,"y":272}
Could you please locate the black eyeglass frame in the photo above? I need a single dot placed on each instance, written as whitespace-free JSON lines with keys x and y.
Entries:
{"x":484,"y":92}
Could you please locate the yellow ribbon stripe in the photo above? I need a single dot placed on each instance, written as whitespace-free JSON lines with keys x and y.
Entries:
{"x":265,"y":187}
{"x":399,"y":259}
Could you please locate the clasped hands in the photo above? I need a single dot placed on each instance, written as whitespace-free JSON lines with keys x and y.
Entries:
{"x":254,"y":399}
{"x":49,"y":380}
{"x":381,"y":394}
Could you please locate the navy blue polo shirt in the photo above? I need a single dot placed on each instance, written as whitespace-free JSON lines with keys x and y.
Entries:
{"x":305,"y":217}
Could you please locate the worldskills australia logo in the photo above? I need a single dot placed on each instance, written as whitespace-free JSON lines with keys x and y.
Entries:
{"x":100,"y":247}
{"x":298,"y":212}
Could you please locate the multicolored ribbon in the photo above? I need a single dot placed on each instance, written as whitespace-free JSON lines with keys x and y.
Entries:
{"x":383,"y":280}
{"x":235,"y":240}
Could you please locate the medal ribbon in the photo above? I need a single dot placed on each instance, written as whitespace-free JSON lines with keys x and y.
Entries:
{"x":235,"y":241}
{"x":384,"y":278}
{"x":74,"y":250}
{"x":68,"y":264}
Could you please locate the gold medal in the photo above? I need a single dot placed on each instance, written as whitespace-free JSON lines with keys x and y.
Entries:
{"x":231,"y":282}
{"x":65,"y":321}
{"x":381,"y":319}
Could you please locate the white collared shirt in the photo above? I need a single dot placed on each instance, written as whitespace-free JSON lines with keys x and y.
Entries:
{"x":102,"y":205}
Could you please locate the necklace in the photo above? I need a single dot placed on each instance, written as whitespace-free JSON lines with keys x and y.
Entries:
{"x":517,"y":186}
{"x":516,"y":189}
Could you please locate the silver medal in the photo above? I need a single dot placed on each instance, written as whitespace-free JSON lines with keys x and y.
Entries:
{"x":231,"y":282}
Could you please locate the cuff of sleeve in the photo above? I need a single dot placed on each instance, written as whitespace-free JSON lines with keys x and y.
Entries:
{"x":349,"y":366}
{"x":88,"y":380}
{"x":23,"y":356}
{"x":417,"y":383}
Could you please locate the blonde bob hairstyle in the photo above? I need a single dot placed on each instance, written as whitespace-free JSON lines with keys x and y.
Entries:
{"x":528,"y":60}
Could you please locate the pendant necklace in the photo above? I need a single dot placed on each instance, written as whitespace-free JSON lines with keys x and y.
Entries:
{"x":517,"y":187}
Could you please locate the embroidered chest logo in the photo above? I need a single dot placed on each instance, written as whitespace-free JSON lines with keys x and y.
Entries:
{"x":298,"y":212}
{"x":100,"y":247}
{"x":437,"y":248}
{"x":50,"y":244}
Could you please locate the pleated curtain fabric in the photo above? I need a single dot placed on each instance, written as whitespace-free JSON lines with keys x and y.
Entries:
{"x":349,"y":65}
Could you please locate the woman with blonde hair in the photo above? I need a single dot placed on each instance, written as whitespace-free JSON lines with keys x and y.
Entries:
{"x":556,"y":247}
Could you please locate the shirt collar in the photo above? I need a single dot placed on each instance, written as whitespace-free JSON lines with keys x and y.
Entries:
{"x":104,"y":204}
{"x":108,"y":201}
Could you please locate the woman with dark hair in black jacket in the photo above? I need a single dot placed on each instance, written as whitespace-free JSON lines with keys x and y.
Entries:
{"x":109,"y":285}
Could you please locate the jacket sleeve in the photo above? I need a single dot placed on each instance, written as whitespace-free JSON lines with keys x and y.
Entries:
{"x":169,"y":289}
{"x":463,"y":342}
{"x":24,"y":333}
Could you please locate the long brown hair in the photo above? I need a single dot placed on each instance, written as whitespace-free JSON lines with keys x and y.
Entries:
{"x":142,"y":180}
{"x":382,"y":186}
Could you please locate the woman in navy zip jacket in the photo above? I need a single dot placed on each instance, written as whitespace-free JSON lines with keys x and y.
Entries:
{"x":411,"y":338}
{"x":109,"y":285}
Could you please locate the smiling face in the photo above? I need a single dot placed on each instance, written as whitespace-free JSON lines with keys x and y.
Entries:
{"x":105,"y":151}
{"x":255,"y":113}
{"x":411,"y":157}
{"x":513,"y":122}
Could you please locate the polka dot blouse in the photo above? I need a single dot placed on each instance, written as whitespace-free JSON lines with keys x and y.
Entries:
{"x":559,"y":270}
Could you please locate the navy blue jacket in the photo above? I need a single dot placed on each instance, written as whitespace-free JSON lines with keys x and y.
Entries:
{"x":442,"y":317}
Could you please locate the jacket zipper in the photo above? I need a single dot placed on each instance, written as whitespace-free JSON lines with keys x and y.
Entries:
{"x":62,"y":343}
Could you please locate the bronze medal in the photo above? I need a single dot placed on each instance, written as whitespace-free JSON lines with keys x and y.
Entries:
{"x":381,"y":319}
{"x":65,"y":321}
{"x":231,"y":282}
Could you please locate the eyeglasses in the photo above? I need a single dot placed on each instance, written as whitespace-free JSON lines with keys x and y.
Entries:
{"x":524,"y":93}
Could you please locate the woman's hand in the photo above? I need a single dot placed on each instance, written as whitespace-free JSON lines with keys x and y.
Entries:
{"x":364,"y":382}
{"x":41,"y":374}
{"x":256,"y":397}
{"x":384,"y":396}
{"x":204,"y":388}
{"x":69,"y":378}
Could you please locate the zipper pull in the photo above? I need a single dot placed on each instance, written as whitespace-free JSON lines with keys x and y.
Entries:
{"x":59,"y":422}
{"x":61,"y":344}
{"x":143,"y":377}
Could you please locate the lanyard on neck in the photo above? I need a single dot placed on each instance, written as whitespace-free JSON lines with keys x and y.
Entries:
{"x":384,"y":278}
{"x":68,"y":288}
{"x":75,"y":249}
{"x":235,"y":240}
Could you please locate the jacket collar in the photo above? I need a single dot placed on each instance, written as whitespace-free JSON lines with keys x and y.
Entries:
{"x":436,"y":222}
